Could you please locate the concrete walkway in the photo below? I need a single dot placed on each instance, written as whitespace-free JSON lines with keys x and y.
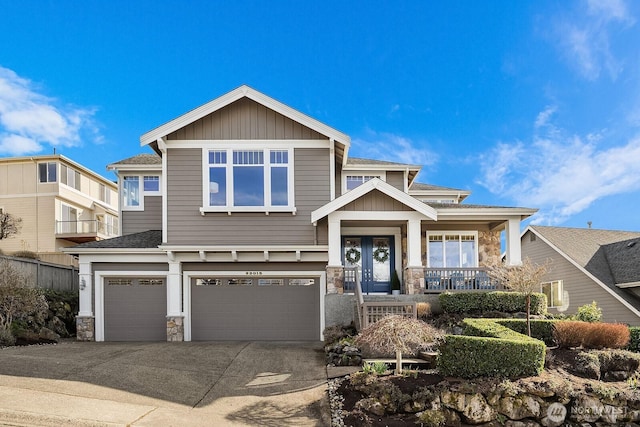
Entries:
{"x":164,"y":384}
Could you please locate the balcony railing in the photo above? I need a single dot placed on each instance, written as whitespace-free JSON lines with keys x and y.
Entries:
{"x":91,"y":227}
{"x":438,"y":280}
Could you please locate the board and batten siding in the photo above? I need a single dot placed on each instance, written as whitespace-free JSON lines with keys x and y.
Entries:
{"x":375,"y":201}
{"x":245,"y":119}
{"x":139,"y":221}
{"x":580,"y":287}
{"x":186,"y":226}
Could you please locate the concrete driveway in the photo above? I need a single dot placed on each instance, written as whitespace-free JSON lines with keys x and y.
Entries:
{"x":164,"y":384}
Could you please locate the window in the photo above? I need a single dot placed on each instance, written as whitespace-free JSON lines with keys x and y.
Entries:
{"x":68,"y":220}
{"x":301,"y":282}
{"x":105,"y":194}
{"x":353,"y":181}
{"x":249,"y":180}
{"x":151,"y":183}
{"x":553,"y":290}
{"x":270,"y":282}
{"x":451,"y":250}
{"x":70,"y":177}
{"x":48,"y":172}
{"x":131,"y":191}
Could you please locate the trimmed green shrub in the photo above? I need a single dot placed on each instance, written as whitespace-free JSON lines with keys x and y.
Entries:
{"x":540,"y":329}
{"x":589,"y":313}
{"x":474,"y":354}
{"x":634,"y":341}
{"x":479,"y":302}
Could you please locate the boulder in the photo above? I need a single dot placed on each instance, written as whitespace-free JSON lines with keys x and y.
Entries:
{"x":453,"y":400}
{"x":477,"y":410}
{"x":47,"y":335}
{"x":586,"y":409}
{"x":371,"y":405}
{"x":517,"y":408}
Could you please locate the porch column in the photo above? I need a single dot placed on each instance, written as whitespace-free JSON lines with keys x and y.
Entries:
{"x":335,"y":270}
{"x":175,"y":320}
{"x":85,"y":322}
{"x":414,"y":272}
{"x":512,"y":240}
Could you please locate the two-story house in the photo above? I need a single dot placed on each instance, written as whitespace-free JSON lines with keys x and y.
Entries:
{"x":61,"y":203}
{"x":244,"y":225}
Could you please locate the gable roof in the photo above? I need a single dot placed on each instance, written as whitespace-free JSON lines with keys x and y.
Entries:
{"x":607,"y":256}
{"x":141,"y":159}
{"x":236,"y":94}
{"x":374,"y":184}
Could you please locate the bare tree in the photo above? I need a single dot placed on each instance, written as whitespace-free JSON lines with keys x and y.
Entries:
{"x":524,"y":278}
{"x":16,"y":297}
{"x":9,"y":225}
{"x":396,"y":334}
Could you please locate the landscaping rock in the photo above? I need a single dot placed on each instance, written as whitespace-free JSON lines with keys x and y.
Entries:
{"x":57,"y":326}
{"x":47,"y":335}
{"x":371,"y":405}
{"x":616,"y":376}
{"x":517,"y":408}
{"x":477,"y":410}
{"x":586,"y":409}
{"x":453,"y":400}
{"x":525,"y":423}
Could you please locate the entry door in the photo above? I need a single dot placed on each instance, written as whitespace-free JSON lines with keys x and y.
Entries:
{"x":374,"y":258}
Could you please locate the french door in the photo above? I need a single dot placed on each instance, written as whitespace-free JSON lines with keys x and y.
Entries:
{"x":374,"y":258}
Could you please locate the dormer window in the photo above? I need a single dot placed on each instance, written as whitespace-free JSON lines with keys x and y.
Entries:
{"x":354,"y":179}
{"x":248,"y":180}
{"x":135,"y":187}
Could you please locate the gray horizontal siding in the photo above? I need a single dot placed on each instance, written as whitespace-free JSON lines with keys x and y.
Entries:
{"x":580,"y":287}
{"x":186,"y":226}
{"x":245,"y":119}
{"x":149,"y":219}
{"x":375,"y":201}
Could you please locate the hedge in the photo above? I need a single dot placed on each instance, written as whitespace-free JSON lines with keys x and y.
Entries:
{"x":634,"y":342}
{"x":540,"y":329}
{"x":478,"y":302}
{"x":490,"y":349}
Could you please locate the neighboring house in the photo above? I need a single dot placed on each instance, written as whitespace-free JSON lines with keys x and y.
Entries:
{"x":61,"y":203}
{"x":588,"y":265}
{"x":250,"y":220}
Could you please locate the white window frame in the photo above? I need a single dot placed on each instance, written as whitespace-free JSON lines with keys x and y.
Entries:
{"x":143,"y":193}
{"x":373,"y":174}
{"x":449,"y":233}
{"x":560,"y":291}
{"x":48,"y":180}
{"x":267,"y":206}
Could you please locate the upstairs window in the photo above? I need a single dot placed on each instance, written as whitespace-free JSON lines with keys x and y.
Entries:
{"x":452,"y":250}
{"x":249,"y":180}
{"x":105,"y":194}
{"x":70,"y":177}
{"x":151,"y":184}
{"x":135,"y":187}
{"x":131,"y":191}
{"x":354,"y":181}
{"x":48,"y":172}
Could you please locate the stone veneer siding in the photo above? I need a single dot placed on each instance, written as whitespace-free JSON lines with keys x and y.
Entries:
{"x":335,"y":280}
{"x":488,"y":248}
{"x":413,"y":281}
{"x":85,"y":328}
{"x":175,"y":328}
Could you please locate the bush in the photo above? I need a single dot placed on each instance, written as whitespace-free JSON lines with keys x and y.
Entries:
{"x":589,"y":313}
{"x":591,"y":335}
{"x":335,"y":333}
{"x":474,"y":354}
{"x":540,"y":329}
{"x":6,"y":338}
{"x":634,"y":339}
{"x":26,"y":254}
{"x":423,"y":310}
{"x":479,"y":302}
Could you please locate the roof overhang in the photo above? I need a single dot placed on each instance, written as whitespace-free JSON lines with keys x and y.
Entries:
{"x":243,"y":91}
{"x":484,"y":213}
{"x":374,"y":184}
{"x":131,"y":167}
{"x":628,"y":285}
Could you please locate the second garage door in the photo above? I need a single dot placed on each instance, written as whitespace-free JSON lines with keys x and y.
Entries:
{"x":227,"y":308}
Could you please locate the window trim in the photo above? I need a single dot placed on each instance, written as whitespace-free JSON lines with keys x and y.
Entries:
{"x":47,"y":181}
{"x":560,"y":292}
{"x":444,"y":233}
{"x":140,"y":177}
{"x":345,"y":173}
{"x":267,"y":207}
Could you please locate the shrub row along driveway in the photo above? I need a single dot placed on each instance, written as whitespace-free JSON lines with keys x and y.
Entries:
{"x":212,"y":383}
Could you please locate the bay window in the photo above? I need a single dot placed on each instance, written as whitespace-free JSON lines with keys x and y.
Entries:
{"x":452,"y":249}
{"x":249,"y":180}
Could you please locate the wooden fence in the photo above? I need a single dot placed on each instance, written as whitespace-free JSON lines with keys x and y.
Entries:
{"x":46,"y":275}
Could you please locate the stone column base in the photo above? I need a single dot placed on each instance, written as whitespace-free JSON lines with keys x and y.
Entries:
{"x":85,"y":328}
{"x":335,"y":280}
{"x":413,"y":280}
{"x":175,"y":328}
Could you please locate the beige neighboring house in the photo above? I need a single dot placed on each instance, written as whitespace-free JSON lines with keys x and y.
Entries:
{"x":61,"y":203}
{"x":588,"y":265}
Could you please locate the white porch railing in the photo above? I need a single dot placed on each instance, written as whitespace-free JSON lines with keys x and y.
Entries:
{"x":91,"y":226}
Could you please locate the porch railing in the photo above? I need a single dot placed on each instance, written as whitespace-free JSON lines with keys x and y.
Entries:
{"x":438,"y":280}
{"x":350,"y":279}
{"x":91,"y":226}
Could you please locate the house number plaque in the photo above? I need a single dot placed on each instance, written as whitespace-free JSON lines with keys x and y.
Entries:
{"x":253,"y":273}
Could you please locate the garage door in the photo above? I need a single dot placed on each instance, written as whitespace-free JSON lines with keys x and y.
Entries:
{"x":135,"y":309}
{"x":278,"y":308}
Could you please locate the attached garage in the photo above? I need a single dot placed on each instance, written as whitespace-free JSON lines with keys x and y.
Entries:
{"x":135,"y":309}
{"x":255,"y":308}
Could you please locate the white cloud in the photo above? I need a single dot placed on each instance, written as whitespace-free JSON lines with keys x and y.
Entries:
{"x":561,"y":174}
{"x":584,"y":37}
{"x":392,"y":148}
{"x":29,"y":120}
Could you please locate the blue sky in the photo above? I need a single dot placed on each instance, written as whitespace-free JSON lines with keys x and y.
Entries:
{"x":532,"y":104}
